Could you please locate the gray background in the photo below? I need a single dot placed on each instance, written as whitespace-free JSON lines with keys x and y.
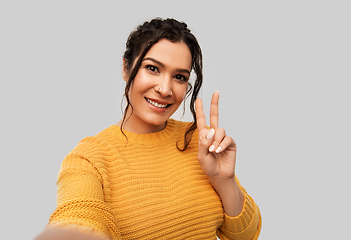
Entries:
{"x":282,"y":69}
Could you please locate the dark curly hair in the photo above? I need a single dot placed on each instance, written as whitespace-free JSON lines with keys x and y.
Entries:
{"x":139,"y":43}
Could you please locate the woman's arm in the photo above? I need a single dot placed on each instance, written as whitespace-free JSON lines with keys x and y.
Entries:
{"x":217,"y":158}
{"x":66,"y":234}
{"x":231,"y":195}
{"x":81,"y":205}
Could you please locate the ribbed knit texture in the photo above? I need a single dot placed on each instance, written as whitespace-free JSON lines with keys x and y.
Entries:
{"x":145,"y":188}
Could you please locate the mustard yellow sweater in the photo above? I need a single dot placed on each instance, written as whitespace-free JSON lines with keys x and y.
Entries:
{"x":145,"y":188}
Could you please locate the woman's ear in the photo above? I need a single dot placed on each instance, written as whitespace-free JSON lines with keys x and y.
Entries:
{"x":124,"y":71}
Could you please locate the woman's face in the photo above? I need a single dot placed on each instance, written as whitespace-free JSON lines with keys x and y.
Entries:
{"x":159,"y":86}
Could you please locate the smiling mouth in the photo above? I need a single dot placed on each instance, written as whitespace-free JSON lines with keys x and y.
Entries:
{"x":157,"y":104}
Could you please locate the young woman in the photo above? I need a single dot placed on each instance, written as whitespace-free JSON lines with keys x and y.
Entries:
{"x":150,"y":176}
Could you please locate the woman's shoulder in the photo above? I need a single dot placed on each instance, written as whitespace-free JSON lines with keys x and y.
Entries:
{"x":95,"y":144}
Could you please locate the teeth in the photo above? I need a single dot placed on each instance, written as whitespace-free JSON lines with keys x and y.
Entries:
{"x":156,"y":104}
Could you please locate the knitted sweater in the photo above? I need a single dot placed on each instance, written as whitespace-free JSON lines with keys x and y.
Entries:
{"x":145,"y":188}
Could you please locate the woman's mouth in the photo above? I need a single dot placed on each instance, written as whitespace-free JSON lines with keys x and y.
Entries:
{"x":155,"y":104}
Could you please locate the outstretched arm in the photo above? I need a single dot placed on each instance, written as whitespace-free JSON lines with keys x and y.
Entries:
{"x":66,"y":234}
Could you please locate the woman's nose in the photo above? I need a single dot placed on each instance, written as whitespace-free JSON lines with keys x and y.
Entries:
{"x":164,"y":87}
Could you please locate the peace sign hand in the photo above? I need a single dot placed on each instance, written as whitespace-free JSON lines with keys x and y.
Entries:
{"x":217,"y":151}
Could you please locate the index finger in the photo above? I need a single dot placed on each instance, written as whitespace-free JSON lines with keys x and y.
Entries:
{"x":200,"y":115}
{"x":214,"y":111}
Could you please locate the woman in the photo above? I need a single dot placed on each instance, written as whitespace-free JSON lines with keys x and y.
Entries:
{"x":149,"y":176}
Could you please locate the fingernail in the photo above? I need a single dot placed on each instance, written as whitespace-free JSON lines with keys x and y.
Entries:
{"x":210,"y":133}
{"x":212,"y":148}
{"x":218,"y":149}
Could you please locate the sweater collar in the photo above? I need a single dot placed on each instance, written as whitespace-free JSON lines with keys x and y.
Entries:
{"x":150,"y":138}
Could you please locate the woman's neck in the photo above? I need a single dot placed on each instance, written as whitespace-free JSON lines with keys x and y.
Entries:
{"x":130,"y":124}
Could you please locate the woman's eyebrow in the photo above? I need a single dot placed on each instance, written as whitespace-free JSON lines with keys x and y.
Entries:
{"x":155,"y":61}
{"x":162,"y":65}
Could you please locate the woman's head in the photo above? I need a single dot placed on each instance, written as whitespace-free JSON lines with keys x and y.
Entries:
{"x":140,"y":42}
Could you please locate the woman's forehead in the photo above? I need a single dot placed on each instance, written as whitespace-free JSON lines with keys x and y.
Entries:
{"x":171,"y":54}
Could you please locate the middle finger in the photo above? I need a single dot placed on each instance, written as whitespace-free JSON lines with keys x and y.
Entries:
{"x":214,"y":111}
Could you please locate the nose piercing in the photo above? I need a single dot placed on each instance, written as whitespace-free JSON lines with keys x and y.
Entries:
{"x":159,"y":89}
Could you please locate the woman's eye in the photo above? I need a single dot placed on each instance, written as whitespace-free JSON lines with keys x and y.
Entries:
{"x":181,"y":78}
{"x":152,"y":68}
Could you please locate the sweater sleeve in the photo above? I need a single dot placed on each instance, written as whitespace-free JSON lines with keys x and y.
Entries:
{"x":245,"y":226}
{"x":81,"y":200}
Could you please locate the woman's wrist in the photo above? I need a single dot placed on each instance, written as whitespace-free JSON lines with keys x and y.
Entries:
{"x":230,"y":194}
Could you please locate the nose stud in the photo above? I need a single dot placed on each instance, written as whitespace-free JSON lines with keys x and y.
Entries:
{"x":159,"y":91}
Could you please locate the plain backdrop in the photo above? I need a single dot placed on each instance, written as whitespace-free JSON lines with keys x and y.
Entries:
{"x":282,"y":69}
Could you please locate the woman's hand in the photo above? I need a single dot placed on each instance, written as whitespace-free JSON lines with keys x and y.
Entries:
{"x":217,"y":157}
{"x":217,"y":151}
{"x":67,"y":233}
